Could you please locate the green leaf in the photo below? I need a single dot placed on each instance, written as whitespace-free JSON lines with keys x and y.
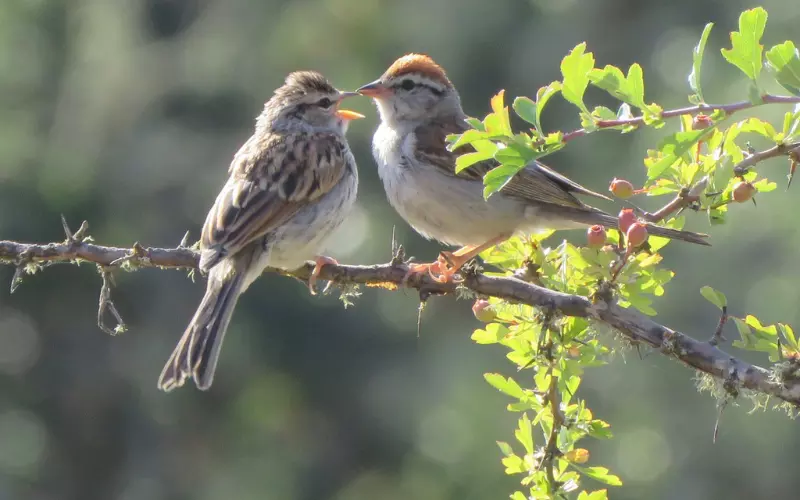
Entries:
{"x":524,"y":433}
{"x":505,"y":385}
{"x":496,"y":178}
{"x":542,"y":96}
{"x":575,"y":68}
{"x":525,"y":108}
{"x":765,"y":186}
{"x":715,"y":297}
{"x":600,"y":474}
{"x":493,"y":333}
{"x":671,"y":149}
{"x":469,"y":159}
{"x":505,"y":448}
{"x":746,"y":50}
{"x":468,"y":137}
{"x":595,"y":495}
{"x":784,"y":62}
{"x":697,"y":61}
{"x":791,"y":123}
{"x":628,"y":89}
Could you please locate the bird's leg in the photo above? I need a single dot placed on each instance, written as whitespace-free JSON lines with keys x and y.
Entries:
{"x":448,"y":263}
{"x":319,"y":262}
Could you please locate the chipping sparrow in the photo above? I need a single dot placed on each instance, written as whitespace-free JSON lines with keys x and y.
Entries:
{"x":290,"y":186}
{"x":419,"y":107}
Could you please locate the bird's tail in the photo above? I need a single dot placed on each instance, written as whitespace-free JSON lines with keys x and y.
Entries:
{"x":592,"y":216}
{"x":198,"y":350}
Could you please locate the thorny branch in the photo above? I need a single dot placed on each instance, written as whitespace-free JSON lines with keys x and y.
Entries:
{"x":638,"y":328}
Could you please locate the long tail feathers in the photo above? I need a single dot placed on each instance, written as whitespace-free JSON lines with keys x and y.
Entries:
{"x":198,"y":350}
{"x":594,"y":216}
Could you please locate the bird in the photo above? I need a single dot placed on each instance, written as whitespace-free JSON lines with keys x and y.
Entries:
{"x":290,"y":186}
{"x":419,"y":107}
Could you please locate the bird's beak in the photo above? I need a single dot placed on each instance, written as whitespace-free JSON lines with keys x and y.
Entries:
{"x":376,"y":90}
{"x":346,"y":114}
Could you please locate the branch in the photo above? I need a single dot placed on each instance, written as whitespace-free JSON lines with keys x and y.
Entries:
{"x":689,"y":110}
{"x":699,"y":355}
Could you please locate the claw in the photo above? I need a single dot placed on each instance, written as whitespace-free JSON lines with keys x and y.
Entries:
{"x":319,"y":262}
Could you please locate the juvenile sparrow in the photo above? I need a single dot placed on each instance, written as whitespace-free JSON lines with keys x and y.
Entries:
{"x":419,"y":107}
{"x":290,"y":186}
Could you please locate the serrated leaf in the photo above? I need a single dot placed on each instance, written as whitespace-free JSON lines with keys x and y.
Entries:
{"x":468,"y":137}
{"x":524,"y":433}
{"x":671,"y":149}
{"x":715,"y":297}
{"x":697,"y":61}
{"x":746,"y":50}
{"x":496,"y":178}
{"x":575,"y":68}
{"x":601,"y":474}
{"x":469,"y":159}
{"x":765,"y":186}
{"x":784,"y":62}
{"x":505,"y":385}
{"x":629,"y":89}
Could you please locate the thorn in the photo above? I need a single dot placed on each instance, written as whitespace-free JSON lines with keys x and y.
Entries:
{"x":422,"y":303}
{"x":394,"y":242}
{"x":721,"y":408}
{"x":137,"y":253}
{"x":24,"y":258}
{"x":184,"y":241}
{"x":16,"y":280}
{"x":77,"y":236}
{"x":67,"y":231}
{"x":106,"y":304}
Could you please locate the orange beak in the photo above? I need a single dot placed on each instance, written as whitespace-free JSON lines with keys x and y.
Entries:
{"x":376,"y":90}
{"x":346,"y":114}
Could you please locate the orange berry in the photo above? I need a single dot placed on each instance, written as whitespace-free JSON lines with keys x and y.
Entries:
{"x":621,"y":188}
{"x":743,"y":191}
{"x":596,"y":236}
{"x":701,"y":121}
{"x":636,"y":234}
{"x":626,"y":218}
{"x":483,"y":311}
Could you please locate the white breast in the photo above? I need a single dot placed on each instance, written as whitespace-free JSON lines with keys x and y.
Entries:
{"x":435,"y":204}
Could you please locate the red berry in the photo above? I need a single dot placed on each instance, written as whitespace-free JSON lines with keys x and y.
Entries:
{"x":701,"y":122}
{"x":621,"y":188}
{"x":483,"y":311}
{"x":626,"y":218}
{"x":743,"y":191}
{"x":596,"y":236}
{"x":636,"y":234}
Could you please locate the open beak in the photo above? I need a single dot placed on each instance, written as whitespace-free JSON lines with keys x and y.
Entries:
{"x":375,"y":90}
{"x":346,"y":114}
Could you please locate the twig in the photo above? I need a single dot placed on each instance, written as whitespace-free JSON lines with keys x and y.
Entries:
{"x":640,"y":120}
{"x":745,"y":165}
{"x":699,"y":355}
{"x":718,"y":332}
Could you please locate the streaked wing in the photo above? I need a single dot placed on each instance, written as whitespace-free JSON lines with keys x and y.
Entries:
{"x":271,"y":178}
{"x":535,"y":183}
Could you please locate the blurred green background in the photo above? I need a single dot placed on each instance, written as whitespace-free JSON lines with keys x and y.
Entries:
{"x":127,"y":112}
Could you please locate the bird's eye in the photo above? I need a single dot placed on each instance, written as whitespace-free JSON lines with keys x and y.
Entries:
{"x":325,"y":103}
{"x":407,"y":84}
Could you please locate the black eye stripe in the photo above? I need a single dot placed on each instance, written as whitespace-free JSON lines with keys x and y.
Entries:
{"x":433,"y":89}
